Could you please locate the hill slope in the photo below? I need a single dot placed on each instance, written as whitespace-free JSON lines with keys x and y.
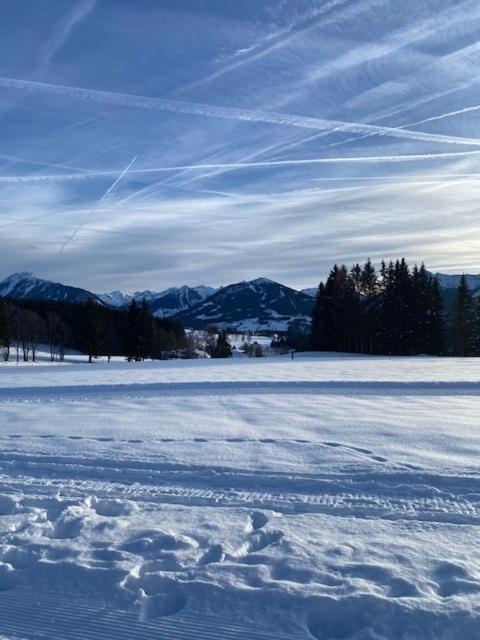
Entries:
{"x":254,"y":305}
{"x":25,"y":286}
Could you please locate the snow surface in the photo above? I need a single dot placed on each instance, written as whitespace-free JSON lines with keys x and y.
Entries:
{"x":325,"y":497}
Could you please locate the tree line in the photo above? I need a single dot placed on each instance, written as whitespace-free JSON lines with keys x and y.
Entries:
{"x":396,"y":310}
{"x":89,"y":327}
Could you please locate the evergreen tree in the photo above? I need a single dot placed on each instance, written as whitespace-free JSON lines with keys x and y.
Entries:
{"x":320,"y":320}
{"x":221,"y":347}
{"x":146,"y":331}
{"x":397,"y":310}
{"x":92,"y":329}
{"x":369,"y":279}
{"x":5,"y":339}
{"x":427,"y":313}
{"x":356,"y":276}
{"x":132,"y":343}
{"x":335,"y":318}
{"x":463,"y":320}
{"x":436,"y":326}
{"x":371,"y":320}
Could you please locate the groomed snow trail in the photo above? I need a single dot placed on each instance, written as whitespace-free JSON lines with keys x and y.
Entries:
{"x":326,"y":497}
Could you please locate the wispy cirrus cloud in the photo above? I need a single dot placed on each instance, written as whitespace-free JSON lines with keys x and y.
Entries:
{"x":61,"y":32}
{"x":238,"y":112}
{"x":229,"y":113}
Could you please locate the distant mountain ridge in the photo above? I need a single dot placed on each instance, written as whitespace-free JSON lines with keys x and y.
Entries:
{"x":254,"y":305}
{"x":25,"y":286}
{"x":163,"y":303}
{"x":447,"y":281}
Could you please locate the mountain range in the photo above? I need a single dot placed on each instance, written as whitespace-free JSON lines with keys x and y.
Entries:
{"x":254,"y":305}
{"x":162,"y":303}
{"x":259,"y":304}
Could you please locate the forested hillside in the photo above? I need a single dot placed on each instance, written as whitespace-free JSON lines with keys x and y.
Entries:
{"x":397,"y":310}
{"x":89,"y":327}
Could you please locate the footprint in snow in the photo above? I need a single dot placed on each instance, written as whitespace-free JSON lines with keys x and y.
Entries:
{"x":453,"y":579}
{"x":170,"y":601}
{"x":262,"y":539}
{"x":392,"y":585}
{"x":158,"y":596}
{"x":111,"y":508}
{"x":7,"y":505}
{"x":151,"y":543}
{"x":258,"y":520}
{"x":8,"y":576}
{"x":212,"y":555}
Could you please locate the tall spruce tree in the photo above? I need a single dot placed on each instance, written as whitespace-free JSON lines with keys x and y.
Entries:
{"x":397,"y":310}
{"x":437,"y":322}
{"x":320,"y":319}
{"x":93,"y":335}
{"x":221,"y":347}
{"x":146,"y":331}
{"x":5,"y":338}
{"x":463,"y":320}
{"x":371,"y":320}
{"x":426,"y":313}
{"x":132,"y":344}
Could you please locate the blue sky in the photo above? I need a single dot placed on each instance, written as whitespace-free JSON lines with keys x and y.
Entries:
{"x":145,"y":144}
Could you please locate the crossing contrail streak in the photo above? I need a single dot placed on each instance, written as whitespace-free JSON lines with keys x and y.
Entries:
{"x":95,"y":207}
{"x":441,"y":116}
{"x":66,"y":177}
{"x":229,"y":113}
{"x":449,"y":114}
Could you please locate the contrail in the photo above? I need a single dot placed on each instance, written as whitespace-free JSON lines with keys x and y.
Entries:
{"x":66,"y":177}
{"x":447,"y":176}
{"x":290,"y":33}
{"x":441,"y":116}
{"x":449,"y":114}
{"x":62,"y":32}
{"x":230,"y":113}
{"x":95,"y":207}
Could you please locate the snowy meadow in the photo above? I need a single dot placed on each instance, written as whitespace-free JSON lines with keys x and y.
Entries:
{"x":328,"y":497}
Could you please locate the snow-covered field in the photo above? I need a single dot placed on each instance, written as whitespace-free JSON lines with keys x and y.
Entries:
{"x":324,"y":497}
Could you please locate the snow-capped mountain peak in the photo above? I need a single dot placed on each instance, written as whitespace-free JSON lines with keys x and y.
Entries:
{"x":178,"y":299}
{"x":261,"y":281}
{"x":250,"y":305}
{"x":122,"y":299}
{"x":23,"y":280}
{"x":24,"y":285}
{"x":162,"y":303}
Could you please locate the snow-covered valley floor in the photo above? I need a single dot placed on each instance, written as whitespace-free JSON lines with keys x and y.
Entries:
{"x":324,"y":497}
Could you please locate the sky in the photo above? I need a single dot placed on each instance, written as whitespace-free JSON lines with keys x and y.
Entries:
{"x":155,"y":143}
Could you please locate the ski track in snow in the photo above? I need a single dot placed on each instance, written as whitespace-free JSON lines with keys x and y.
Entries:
{"x":321,"y":508}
